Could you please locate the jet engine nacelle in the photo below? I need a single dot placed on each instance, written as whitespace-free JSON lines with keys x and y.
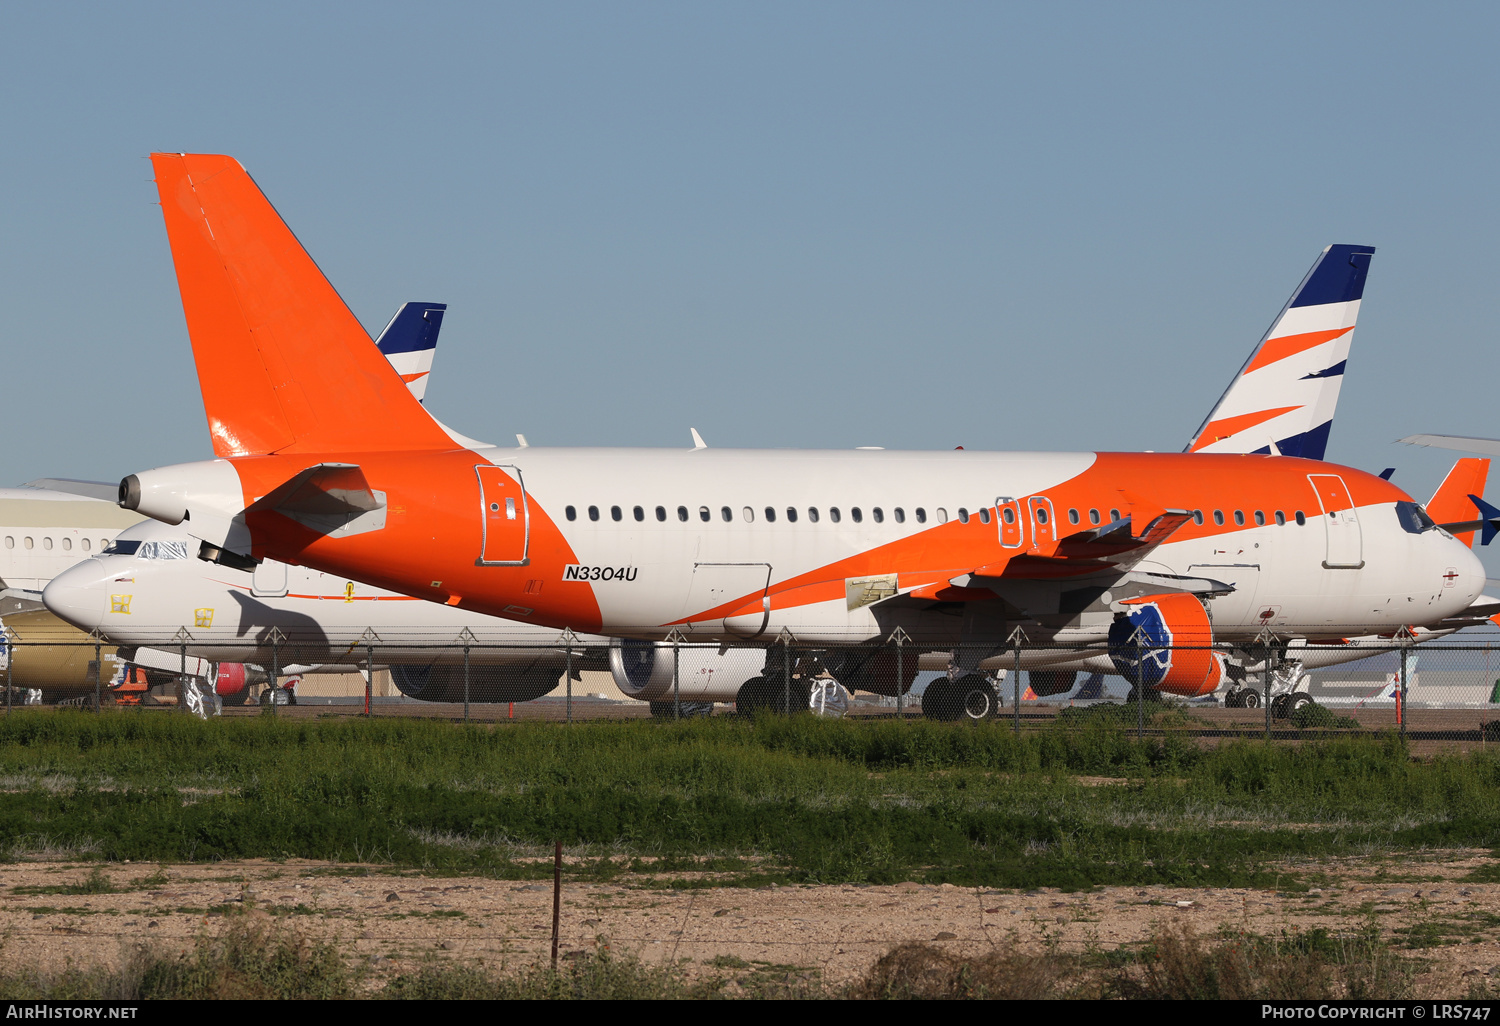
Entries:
{"x":444,"y":682}
{"x":1162,"y":642}
{"x":643,"y":670}
{"x":229,"y":679}
{"x":1046,"y":683}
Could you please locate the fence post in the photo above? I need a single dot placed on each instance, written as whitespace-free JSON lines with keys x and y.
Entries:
{"x":182,"y":637}
{"x":369,"y":638}
{"x":10,"y":665}
{"x":568,"y":638}
{"x":98,"y":672}
{"x":468,"y":639}
{"x":676,"y":639}
{"x":786,"y":676}
{"x":899,"y":636}
{"x":1017,"y":639}
{"x":1404,"y":710}
{"x":556,"y":897}
{"x":1140,"y":678}
{"x":276,"y":638}
{"x":1267,"y":651}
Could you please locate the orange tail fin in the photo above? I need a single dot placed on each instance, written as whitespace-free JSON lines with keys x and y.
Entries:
{"x":1450,"y":503}
{"x":283,"y":363}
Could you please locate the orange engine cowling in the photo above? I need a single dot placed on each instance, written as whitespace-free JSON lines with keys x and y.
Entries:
{"x":1163,"y":642}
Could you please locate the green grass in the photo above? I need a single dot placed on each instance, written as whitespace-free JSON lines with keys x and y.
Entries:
{"x":787,"y":800}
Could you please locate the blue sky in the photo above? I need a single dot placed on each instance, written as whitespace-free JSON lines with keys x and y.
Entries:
{"x":1055,"y":226}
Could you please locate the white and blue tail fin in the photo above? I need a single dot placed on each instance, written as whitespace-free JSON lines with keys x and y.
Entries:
{"x":410,"y":340}
{"x":1283,"y":399}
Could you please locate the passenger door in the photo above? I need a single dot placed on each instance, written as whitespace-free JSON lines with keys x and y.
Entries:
{"x":1341,"y":521}
{"x":506,"y":519}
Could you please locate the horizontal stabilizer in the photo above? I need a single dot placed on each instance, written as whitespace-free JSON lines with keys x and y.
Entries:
{"x":329,"y":498}
{"x":1491,"y":516}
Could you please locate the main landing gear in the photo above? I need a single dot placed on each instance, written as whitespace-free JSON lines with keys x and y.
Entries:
{"x":1283,"y":706}
{"x":971,"y":697}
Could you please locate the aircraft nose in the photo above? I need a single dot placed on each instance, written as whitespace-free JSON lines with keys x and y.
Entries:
{"x":1463,"y":576}
{"x":78,"y":594}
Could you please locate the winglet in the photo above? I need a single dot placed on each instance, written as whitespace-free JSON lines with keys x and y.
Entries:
{"x":698,"y":442}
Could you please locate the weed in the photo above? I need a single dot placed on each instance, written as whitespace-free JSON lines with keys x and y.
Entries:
{"x":923,"y":971}
{"x":244,"y":961}
{"x":97,"y":882}
{"x":596,"y":975}
{"x":1296,"y":965}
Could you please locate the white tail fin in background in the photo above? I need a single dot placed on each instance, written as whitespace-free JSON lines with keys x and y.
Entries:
{"x":1283,"y":399}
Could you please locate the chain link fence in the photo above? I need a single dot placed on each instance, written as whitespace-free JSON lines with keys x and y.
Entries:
{"x":1439,"y":691}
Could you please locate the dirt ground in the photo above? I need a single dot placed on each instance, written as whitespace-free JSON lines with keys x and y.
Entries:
{"x":395,"y":920}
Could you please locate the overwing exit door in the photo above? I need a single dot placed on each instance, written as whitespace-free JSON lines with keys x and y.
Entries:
{"x":1043,"y":533}
{"x":503,"y":512}
{"x":1012,"y":523}
{"x":1345,"y":540}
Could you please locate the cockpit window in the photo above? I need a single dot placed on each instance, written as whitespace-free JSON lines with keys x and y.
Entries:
{"x":1413,"y":518}
{"x":147,"y":549}
{"x":164,"y":550}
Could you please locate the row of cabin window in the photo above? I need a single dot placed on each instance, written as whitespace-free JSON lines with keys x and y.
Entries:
{"x":899,"y":515}
{"x":67,"y":543}
{"x":1218,"y":515}
{"x":791,"y":513}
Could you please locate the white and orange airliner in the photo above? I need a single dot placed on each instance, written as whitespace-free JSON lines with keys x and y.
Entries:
{"x":1172,"y":565}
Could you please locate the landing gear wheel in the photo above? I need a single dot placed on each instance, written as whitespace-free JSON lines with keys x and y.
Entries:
{"x":1232,"y":700}
{"x":238,"y":698}
{"x":752,"y":697}
{"x":975,"y":697}
{"x":1279,"y":710}
{"x":1296,"y":702}
{"x":938,"y":701}
{"x":1249,"y":699}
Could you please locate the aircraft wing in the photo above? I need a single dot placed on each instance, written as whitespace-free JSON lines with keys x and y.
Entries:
{"x":1111,"y":547}
{"x":1487,"y":446}
{"x":1075,"y":574}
